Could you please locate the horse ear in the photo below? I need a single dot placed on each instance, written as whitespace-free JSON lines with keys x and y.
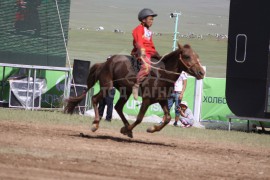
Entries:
{"x":187,"y":46}
{"x":179,"y":46}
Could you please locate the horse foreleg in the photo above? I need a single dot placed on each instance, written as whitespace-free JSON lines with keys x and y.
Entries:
{"x":164,"y":105}
{"x":119,"y":109}
{"x":143,"y":109}
{"x":95,"y":99}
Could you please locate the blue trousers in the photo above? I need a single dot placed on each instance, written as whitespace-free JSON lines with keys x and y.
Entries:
{"x":174,"y":98}
{"x":108,"y":100}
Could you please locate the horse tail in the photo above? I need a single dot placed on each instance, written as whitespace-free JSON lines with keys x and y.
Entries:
{"x":72,"y":102}
{"x":94,"y":74}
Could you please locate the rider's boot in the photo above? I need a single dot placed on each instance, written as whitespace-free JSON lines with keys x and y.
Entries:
{"x":135,"y":91}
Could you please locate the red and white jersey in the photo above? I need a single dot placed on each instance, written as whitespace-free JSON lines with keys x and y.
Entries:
{"x":142,"y":38}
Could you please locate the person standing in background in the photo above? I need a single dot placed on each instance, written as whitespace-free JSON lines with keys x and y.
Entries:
{"x":108,"y":100}
{"x":177,"y":95}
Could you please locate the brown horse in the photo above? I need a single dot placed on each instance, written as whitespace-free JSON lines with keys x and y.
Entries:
{"x":119,"y":72}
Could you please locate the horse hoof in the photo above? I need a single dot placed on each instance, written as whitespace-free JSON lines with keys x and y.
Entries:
{"x":94,"y":127}
{"x":123,"y":130}
{"x":151,"y":129}
{"x":130,"y":134}
{"x":126,"y":132}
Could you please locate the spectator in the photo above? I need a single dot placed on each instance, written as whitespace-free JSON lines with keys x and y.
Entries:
{"x":186,"y":118}
{"x":27,"y":16}
{"x":108,"y":100}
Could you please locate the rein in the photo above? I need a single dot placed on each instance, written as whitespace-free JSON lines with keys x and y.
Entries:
{"x":153,"y":67}
{"x":170,"y":72}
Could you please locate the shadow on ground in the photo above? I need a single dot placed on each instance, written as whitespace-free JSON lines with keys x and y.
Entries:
{"x":119,"y":139}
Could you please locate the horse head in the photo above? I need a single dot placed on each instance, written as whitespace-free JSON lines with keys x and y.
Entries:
{"x":191,"y":62}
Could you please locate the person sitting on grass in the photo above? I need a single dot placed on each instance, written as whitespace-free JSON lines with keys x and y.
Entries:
{"x":186,"y":116}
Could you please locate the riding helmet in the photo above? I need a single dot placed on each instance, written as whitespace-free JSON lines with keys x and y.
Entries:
{"x":145,"y":13}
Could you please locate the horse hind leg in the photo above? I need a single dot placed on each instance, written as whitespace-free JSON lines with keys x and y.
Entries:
{"x":95,"y":100}
{"x":104,"y":91}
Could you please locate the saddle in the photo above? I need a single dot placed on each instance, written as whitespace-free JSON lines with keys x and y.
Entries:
{"x":135,"y":63}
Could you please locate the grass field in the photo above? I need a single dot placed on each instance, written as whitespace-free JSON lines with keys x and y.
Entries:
{"x":122,"y":14}
{"x":58,"y":118}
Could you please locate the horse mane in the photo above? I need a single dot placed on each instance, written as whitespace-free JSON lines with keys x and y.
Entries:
{"x":169,"y":56}
{"x":176,"y":52}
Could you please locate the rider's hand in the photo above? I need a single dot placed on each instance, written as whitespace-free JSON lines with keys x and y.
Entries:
{"x":142,"y":53}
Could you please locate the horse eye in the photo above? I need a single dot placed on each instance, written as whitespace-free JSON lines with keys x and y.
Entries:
{"x":186,"y":57}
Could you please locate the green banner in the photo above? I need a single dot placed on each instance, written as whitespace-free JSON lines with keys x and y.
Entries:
{"x":53,"y":96}
{"x":132,"y":106}
{"x":4,"y":85}
{"x":214,"y":105}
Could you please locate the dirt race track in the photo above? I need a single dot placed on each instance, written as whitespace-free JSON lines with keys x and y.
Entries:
{"x":46,"y":151}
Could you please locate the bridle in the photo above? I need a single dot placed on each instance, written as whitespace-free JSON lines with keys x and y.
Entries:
{"x":190,"y":66}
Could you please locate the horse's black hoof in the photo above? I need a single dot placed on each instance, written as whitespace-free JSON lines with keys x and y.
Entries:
{"x":123,"y":131}
{"x":130,"y":134}
{"x":126,"y":132}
